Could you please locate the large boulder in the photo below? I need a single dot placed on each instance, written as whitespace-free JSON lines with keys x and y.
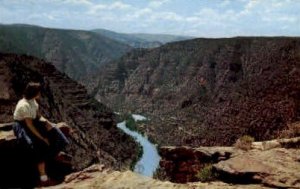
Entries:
{"x":273,"y":163}
{"x":277,"y":167}
{"x":182,"y":164}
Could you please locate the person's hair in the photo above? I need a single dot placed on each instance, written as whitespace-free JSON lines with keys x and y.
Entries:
{"x":32,"y":89}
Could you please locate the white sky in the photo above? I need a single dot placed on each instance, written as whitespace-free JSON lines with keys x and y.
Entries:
{"x":201,"y":18}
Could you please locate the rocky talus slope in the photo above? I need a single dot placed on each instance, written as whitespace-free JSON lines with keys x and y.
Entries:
{"x":96,"y":137}
{"x":209,"y":91}
{"x":75,"y":52}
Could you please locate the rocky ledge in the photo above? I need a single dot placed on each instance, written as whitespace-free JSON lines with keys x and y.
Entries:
{"x":16,"y":161}
{"x":268,"y":164}
{"x":98,"y":177}
{"x":273,"y":163}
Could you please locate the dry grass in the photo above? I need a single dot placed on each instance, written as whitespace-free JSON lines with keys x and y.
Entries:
{"x":206,"y":174}
{"x":244,"y":142}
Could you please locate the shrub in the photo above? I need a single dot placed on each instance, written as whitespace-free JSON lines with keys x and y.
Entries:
{"x":122,"y":116}
{"x":206,"y":174}
{"x":244,"y":142}
{"x":137,"y":158}
{"x":161,"y":174}
{"x":131,"y":124}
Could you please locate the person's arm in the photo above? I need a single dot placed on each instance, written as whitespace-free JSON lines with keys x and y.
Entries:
{"x":41,"y":118}
{"x":30,"y":126}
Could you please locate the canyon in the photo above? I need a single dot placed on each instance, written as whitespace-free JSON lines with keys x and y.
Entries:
{"x":208,"y":91}
{"x":200,"y":96}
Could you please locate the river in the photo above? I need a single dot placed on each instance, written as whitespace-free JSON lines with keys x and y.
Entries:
{"x":149,"y":161}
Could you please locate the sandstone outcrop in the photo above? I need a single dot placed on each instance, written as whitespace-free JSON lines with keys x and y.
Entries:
{"x":98,"y":177}
{"x":182,"y":164}
{"x":277,"y":143}
{"x":277,"y":167}
{"x":266,"y":164}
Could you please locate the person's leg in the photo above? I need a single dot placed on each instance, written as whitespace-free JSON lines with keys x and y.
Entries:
{"x":41,"y":126}
{"x":42,"y":171}
{"x":44,"y":179}
{"x":55,"y":136}
{"x":22,"y":135}
{"x":48,"y":126}
{"x":41,"y":153}
{"x":57,"y":140}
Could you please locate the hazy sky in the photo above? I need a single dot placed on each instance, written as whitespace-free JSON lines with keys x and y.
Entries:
{"x":202,"y":18}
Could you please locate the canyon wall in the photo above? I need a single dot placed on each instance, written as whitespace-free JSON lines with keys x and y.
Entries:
{"x":208,"y":91}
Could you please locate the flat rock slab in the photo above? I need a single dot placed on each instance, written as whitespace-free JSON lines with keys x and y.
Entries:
{"x":175,"y":152}
{"x":278,"y":167}
{"x":6,"y":133}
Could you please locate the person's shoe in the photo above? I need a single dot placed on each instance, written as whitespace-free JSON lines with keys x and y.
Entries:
{"x":48,"y":182}
{"x":63,"y":157}
{"x":65,"y":128}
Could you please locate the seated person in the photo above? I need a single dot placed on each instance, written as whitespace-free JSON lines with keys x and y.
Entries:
{"x":41,"y":136}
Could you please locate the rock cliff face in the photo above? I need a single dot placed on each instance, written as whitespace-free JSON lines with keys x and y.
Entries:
{"x":209,"y":91}
{"x":96,"y":137}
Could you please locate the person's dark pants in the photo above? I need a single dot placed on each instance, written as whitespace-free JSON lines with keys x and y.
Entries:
{"x":39,"y":148}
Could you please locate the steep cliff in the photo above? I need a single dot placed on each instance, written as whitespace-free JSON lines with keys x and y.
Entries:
{"x":209,"y":91}
{"x":96,"y":137}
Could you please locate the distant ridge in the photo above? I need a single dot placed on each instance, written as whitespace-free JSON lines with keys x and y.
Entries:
{"x":76,"y":52}
{"x":141,"y":40}
{"x":21,"y":25}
